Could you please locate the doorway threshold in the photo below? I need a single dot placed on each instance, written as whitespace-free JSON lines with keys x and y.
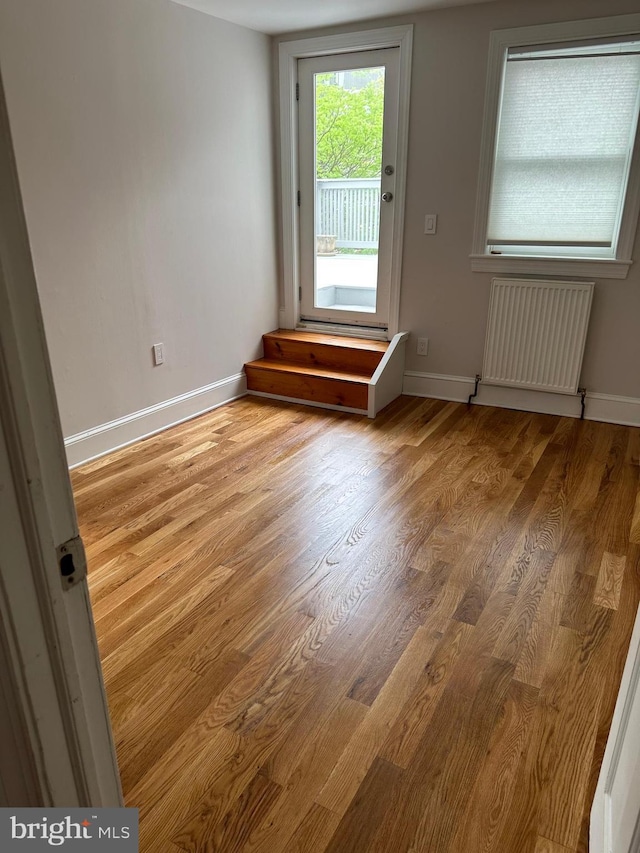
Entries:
{"x":349,"y":331}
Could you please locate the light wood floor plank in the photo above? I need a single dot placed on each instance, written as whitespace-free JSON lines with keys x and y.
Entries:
{"x":544,"y":845}
{"x":609,"y":583}
{"x":315,"y":831}
{"x":316,"y":759}
{"x":479,"y":826}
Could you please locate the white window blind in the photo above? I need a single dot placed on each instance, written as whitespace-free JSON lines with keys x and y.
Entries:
{"x":566,"y":129}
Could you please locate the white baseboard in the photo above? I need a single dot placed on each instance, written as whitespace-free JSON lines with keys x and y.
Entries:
{"x":524,"y":400}
{"x":282,"y":318}
{"x":613,"y":410}
{"x":108,"y":437}
{"x":598,"y":407}
{"x":111,"y":436}
{"x":438,"y":386}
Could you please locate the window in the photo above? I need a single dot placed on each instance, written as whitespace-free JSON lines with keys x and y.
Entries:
{"x":560,"y":186}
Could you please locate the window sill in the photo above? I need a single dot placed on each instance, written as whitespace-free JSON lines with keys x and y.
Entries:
{"x":581,"y":267}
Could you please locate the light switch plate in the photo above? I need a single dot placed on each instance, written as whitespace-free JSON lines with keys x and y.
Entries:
{"x":431,"y":223}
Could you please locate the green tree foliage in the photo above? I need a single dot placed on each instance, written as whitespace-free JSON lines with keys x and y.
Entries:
{"x":349,"y":127}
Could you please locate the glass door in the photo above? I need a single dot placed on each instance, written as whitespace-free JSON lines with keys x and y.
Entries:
{"x":347,"y":148}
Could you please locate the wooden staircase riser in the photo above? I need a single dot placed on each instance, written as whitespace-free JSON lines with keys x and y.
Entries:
{"x":316,"y":353}
{"x":316,"y":389}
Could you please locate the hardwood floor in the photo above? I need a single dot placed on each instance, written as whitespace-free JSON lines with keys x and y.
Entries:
{"x":324,"y":633}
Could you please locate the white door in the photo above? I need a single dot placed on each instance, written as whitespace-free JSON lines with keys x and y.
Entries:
{"x":51,"y":677}
{"x":615,"y":816}
{"x":348,"y":141}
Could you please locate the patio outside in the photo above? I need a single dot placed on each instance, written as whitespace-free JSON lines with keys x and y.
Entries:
{"x":347,"y":282}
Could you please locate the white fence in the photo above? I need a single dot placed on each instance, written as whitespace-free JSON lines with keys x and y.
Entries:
{"x":350,"y":211}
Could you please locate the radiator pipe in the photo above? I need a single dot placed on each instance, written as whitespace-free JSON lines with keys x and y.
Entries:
{"x":583,"y":394}
{"x":475,"y":390}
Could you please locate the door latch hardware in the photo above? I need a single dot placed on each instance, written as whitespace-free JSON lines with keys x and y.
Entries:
{"x":72,"y":562}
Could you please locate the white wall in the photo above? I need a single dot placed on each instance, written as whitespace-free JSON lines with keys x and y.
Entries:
{"x":441,"y":298}
{"x":143,"y":135}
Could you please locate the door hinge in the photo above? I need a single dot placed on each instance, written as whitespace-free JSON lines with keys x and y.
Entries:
{"x":72,"y":562}
{"x":297,"y":91}
{"x":299,"y":294}
{"x":298,"y":198}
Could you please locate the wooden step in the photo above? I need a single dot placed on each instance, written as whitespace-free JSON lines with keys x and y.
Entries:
{"x":357,"y":355}
{"x":310,"y":383}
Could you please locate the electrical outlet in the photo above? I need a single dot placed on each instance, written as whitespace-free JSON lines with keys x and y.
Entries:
{"x":158,"y":354}
{"x":423,"y":346}
{"x":431,"y":223}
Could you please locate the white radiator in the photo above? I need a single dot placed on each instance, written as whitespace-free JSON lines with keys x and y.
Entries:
{"x":536,"y":334}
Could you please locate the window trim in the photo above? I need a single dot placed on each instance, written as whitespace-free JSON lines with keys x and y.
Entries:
{"x":500,"y":42}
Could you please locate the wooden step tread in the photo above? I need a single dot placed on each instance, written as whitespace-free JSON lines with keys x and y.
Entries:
{"x":330,"y":352}
{"x":305,"y":370}
{"x":329,"y":340}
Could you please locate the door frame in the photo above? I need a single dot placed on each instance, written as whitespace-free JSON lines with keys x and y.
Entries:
{"x":311,"y":313}
{"x":621,"y":738}
{"x":289,"y":54}
{"x":53,"y":691}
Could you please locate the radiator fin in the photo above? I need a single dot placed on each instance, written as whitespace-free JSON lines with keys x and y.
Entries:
{"x":536,"y":334}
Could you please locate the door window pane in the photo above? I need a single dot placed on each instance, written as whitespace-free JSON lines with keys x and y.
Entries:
{"x":349,"y":113}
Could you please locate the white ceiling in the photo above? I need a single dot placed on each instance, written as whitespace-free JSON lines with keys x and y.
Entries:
{"x":282,"y":16}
